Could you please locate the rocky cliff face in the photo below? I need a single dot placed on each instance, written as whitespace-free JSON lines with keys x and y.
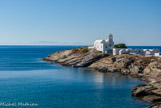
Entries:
{"x":133,"y":65}
{"x":82,"y":57}
{"x":147,"y":68}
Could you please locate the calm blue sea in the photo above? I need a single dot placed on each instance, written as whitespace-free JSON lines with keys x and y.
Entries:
{"x":25,"y":78}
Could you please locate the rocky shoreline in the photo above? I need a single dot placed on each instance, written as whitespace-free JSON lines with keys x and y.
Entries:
{"x":146,"y":68}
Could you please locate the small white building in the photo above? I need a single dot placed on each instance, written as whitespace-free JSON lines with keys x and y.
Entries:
{"x":158,"y":54}
{"x":144,"y":52}
{"x":104,"y":45}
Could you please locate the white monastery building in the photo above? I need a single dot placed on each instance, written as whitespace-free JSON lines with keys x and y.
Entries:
{"x":104,"y":45}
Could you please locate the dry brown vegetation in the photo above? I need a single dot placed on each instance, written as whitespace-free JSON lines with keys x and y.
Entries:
{"x":80,"y":50}
{"x":147,"y":60}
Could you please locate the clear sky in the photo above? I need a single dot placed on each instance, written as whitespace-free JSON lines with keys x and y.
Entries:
{"x":134,"y":22}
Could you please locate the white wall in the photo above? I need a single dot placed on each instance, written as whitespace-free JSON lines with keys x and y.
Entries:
{"x":104,"y":45}
{"x":144,"y":52}
{"x":157,"y":54}
{"x":98,"y":45}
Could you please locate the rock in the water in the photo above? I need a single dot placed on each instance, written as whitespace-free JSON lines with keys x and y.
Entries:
{"x":140,"y":90}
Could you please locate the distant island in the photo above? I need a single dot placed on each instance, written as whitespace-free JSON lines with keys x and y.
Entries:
{"x":105,"y":56}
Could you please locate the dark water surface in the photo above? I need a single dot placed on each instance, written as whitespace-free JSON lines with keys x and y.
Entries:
{"x":24,"y":77}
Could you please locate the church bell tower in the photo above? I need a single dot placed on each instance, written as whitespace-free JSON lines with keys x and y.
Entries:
{"x":110,"y":38}
{"x":111,"y":43}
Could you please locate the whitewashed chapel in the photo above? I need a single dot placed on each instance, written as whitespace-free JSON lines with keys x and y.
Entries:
{"x":104,"y":45}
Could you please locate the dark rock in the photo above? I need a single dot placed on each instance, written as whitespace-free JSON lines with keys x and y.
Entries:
{"x":157,"y":105}
{"x":103,"y":69}
{"x":128,"y":63}
{"x":113,"y":59}
{"x":152,"y":98}
{"x":139,"y":90}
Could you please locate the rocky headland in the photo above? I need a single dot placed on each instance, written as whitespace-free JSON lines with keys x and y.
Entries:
{"x":145,"y":68}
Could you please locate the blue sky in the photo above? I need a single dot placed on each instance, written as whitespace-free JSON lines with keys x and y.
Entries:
{"x":134,"y":22}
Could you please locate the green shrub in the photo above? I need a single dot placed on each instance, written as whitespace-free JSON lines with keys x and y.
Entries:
{"x":85,"y":50}
{"x":121,"y":45}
